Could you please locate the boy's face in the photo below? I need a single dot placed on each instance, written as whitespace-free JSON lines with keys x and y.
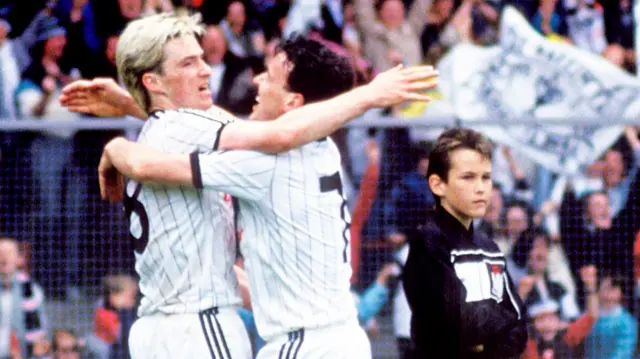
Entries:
{"x":547,"y":325}
{"x":467,"y":191}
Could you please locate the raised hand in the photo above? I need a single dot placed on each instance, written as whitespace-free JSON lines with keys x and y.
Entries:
{"x":525,"y":286}
{"x":101,"y":97}
{"x":401,"y":84}
{"x":589,"y":276}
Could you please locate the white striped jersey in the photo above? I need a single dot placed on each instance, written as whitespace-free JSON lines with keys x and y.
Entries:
{"x":295,"y":225}
{"x":185,"y":244}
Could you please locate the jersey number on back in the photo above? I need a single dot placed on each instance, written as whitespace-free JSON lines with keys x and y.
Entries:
{"x":133,"y":205}
{"x":333,"y":183}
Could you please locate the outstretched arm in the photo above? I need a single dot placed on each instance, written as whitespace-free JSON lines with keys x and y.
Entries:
{"x":318,"y":120}
{"x":133,"y":160}
{"x":243,"y":174}
{"x":295,"y":128}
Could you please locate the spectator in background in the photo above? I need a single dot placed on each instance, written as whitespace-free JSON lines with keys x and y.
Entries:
{"x":22,"y":13}
{"x":410,"y":198}
{"x":620,"y":29}
{"x":113,"y":318}
{"x":21,"y":304}
{"x":114,"y":16}
{"x":15,"y":58}
{"x":83,"y":44}
{"x":231,"y":79}
{"x":616,"y":332}
{"x":106,"y":60}
{"x":591,"y":237}
{"x":491,"y":223}
{"x":437,"y":18}
{"x":274,"y":20}
{"x":513,"y":173}
{"x":390,"y":39}
{"x":549,"y":18}
{"x":51,"y":154}
{"x":611,"y":172}
{"x":517,"y":218}
{"x":65,"y":345}
{"x":485,"y":15}
{"x":240,"y":41}
{"x":531,"y":253}
{"x":9,"y":165}
{"x":549,"y":337}
{"x":351,"y":38}
{"x":585,"y":24}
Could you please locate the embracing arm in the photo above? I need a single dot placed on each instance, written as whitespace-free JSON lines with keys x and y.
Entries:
{"x":141,"y":163}
{"x":244,"y":174}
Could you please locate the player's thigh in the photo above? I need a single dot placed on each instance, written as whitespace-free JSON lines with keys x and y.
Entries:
{"x":204,"y":335}
{"x":341,"y":343}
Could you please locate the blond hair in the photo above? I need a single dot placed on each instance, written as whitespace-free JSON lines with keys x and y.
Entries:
{"x":140,"y":48}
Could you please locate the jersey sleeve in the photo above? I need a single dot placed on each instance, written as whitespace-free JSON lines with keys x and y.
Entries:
{"x":193,"y":131}
{"x":244,"y":174}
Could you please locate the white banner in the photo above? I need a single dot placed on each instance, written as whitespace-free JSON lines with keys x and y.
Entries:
{"x":528,"y":76}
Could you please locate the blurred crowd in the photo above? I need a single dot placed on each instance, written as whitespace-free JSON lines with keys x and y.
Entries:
{"x":574,"y":253}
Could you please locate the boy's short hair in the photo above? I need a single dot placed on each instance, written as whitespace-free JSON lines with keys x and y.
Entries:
{"x":452,"y":140}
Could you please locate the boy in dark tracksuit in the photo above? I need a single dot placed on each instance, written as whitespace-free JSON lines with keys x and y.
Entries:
{"x":463,"y":302}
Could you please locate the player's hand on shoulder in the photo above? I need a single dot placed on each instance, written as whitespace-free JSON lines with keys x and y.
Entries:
{"x":101,"y":97}
{"x":401,"y":84}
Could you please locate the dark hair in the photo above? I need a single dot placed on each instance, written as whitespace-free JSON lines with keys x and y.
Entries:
{"x":452,"y":140}
{"x":318,"y":72}
{"x":617,"y":280}
{"x":379,"y":3}
{"x":422,"y":149}
{"x":529,"y":212}
{"x":523,"y":246}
